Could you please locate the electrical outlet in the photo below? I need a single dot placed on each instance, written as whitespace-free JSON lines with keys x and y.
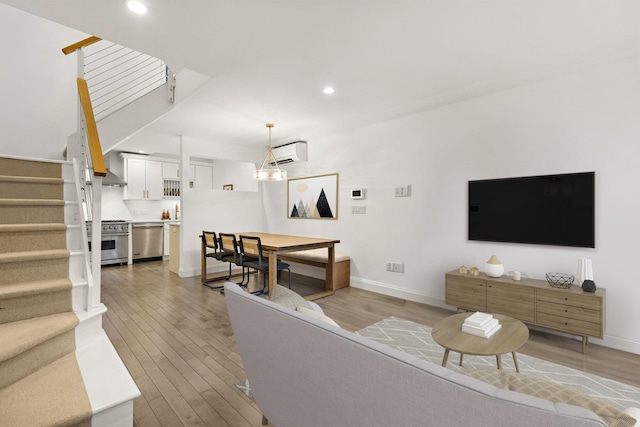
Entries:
{"x":359,"y":209}
{"x":396,"y":267}
{"x":403,"y":191}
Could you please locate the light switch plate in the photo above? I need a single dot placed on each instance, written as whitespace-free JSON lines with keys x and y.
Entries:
{"x":359,"y":209}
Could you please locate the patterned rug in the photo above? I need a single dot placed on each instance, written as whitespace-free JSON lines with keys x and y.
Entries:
{"x":415,"y":339}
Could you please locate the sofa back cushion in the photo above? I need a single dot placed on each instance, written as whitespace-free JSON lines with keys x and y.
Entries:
{"x":303,"y":372}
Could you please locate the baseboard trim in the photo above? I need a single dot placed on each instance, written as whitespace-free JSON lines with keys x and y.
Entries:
{"x":394,"y":291}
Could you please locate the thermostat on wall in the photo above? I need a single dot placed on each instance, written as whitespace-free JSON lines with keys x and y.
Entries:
{"x":357,"y":193}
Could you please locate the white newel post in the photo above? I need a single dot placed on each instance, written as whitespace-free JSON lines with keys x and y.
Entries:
{"x":96,"y":239}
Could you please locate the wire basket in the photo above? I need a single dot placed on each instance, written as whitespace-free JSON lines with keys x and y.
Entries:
{"x":560,"y":280}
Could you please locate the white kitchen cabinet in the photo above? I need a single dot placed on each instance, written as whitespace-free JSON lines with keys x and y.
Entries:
{"x":144,"y":179}
{"x":170,"y":170}
{"x":203,"y":177}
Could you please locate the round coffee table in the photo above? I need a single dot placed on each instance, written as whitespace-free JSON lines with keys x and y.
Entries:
{"x":448,"y":333}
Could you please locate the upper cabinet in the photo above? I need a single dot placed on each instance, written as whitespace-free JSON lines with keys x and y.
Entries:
{"x":144,"y":179}
{"x":220,"y":174}
{"x":202,"y":176}
{"x":170,"y":170}
{"x":157,"y":178}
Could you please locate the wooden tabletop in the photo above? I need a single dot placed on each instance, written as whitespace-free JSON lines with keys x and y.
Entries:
{"x":282,"y":242}
{"x":448,"y":333}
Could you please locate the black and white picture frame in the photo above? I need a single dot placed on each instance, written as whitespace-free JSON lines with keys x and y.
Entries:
{"x":314,"y":197}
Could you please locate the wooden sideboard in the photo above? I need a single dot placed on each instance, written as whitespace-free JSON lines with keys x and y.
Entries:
{"x":532,"y":301}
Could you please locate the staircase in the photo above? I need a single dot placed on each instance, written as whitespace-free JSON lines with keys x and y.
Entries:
{"x":57,"y":366}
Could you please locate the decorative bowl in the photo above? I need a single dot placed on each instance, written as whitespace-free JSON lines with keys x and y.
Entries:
{"x":560,"y":280}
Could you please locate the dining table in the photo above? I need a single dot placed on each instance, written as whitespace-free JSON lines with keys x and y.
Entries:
{"x":274,"y":244}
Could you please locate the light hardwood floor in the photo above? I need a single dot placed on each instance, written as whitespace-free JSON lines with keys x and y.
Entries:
{"x":175,"y":338}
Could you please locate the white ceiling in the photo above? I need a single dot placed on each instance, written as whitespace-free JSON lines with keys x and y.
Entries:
{"x":269,"y":60}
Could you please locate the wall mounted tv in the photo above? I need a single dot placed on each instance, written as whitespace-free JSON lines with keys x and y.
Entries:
{"x":544,"y":210}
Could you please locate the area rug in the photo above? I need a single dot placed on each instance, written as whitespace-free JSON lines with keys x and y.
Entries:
{"x":416,"y":340}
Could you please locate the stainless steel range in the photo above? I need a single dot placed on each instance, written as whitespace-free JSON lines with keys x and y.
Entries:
{"x":115,"y":241}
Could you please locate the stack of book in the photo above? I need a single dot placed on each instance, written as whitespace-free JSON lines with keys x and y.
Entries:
{"x":481,"y":324}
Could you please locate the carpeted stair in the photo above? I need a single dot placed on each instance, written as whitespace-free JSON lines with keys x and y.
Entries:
{"x":40,"y":380}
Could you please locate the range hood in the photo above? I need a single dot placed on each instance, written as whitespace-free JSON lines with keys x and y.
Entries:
{"x":111,"y":180}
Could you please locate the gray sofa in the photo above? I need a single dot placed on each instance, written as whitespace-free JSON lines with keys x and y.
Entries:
{"x":306,"y":373}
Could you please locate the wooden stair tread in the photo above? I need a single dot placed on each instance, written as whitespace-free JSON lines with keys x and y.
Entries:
{"x":31,"y":179}
{"x":33,"y":255}
{"x":18,"y":337}
{"x":31,"y":202}
{"x":28,"y":167}
{"x":32,"y":288}
{"x":31,"y":228}
{"x":52,"y":396}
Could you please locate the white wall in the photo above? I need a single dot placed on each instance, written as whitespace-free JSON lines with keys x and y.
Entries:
{"x":585,"y":121}
{"x":214,"y":210}
{"x":38,"y":91}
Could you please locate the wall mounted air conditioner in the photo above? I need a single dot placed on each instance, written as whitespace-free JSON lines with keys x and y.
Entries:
{"x":290,"y":153}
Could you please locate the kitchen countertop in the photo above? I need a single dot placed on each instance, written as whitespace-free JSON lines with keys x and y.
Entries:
{"x":159,"y":221}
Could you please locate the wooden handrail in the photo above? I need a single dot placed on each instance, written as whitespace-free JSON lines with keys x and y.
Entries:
{"x":82,"y":43}
{"x":93,"y":140}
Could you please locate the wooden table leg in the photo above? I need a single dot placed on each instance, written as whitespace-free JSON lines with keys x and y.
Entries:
{"x":273,"y":272}
{"x":499,"y":361}
{"x":515,"y":361}
{"x":446,"y":357}
{"x":331,"y":262}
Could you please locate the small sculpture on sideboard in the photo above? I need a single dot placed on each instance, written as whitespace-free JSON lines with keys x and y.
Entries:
{"x":494,"y":267}
{"x":589,"y":286}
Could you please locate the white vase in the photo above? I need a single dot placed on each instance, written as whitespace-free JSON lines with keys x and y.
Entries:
{"x":585,"y":272}
{"x":493,"y":267}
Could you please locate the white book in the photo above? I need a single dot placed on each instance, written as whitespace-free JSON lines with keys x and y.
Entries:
{"x":484,"y":328}
{"x":480,"y":333}
{"x":478,"y":318}
{"x":493,"y":331}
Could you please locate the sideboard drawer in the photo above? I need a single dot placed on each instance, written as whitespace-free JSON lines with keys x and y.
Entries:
{"x":574,"y":312}
{"x":587,"y":301}
{"x":572,"y":326}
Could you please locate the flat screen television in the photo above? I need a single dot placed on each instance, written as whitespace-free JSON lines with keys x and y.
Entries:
{"x":544,"y":210}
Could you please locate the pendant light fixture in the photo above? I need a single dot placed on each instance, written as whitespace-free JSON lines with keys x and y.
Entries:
{"x":276,"y":174}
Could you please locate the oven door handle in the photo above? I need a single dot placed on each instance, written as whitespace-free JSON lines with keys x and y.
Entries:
{"x":114,"y":235}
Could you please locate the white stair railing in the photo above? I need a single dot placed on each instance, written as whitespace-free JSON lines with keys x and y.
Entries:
{"x":109,"y":77}
{"x":117,"y":76}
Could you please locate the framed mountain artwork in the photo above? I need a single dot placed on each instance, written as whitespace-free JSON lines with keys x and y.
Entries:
{"x":314,"y":197}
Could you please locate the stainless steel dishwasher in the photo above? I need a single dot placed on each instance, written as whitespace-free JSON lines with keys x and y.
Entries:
{"x":147,"y":240}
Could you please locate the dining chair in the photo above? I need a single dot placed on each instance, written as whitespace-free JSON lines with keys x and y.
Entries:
{"x":251,"y":256}
{"x":229,"y":253}
{"x":209,"y":243}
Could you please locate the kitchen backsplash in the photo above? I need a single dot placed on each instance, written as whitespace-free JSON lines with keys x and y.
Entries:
{"x":113,"y":207}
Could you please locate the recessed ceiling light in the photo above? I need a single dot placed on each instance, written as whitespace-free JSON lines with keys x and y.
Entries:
{"x":141,"y":151}
{"x":328,"y":90}
{"x":137,"y":7}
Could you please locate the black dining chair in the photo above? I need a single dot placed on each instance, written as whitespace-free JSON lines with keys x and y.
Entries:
{"x":229,"y":253}
{"x":211,"y":251}
{"x":251,"y":256}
